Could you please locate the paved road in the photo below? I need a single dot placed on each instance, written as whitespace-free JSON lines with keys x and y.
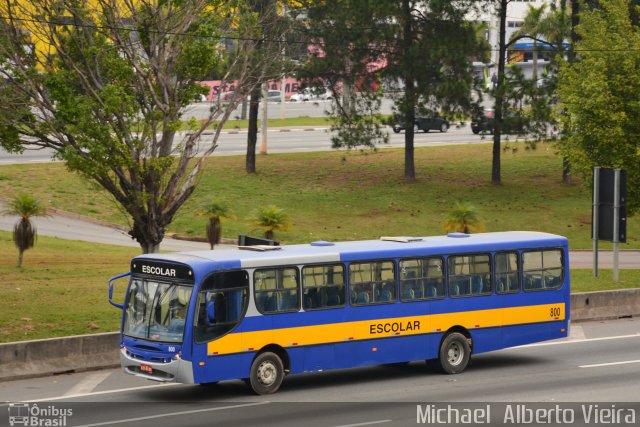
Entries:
{"x":284,"y":140}
{"x":598,"y":363}
{"x":74,"y":228}
{"x":277,"y":110}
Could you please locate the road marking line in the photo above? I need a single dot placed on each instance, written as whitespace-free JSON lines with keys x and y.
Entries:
{"x":49,"y":399}
{"x":98,"y":393}
{"x":171,"y":414}
{"x":597,"y":365}
{"x":88,"y":384}
{"x":365,"y":424}
{"x":542,"y":344}
{"x":576,"y":332}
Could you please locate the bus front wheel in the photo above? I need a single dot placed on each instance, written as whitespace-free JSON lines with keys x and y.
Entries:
{"x":454,"y":354}
{"x":267,"y":373}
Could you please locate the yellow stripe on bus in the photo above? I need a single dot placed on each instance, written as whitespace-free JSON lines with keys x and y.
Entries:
{"x":384,"y":328}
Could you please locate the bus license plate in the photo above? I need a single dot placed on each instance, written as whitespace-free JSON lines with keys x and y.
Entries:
{"x":146,"y":368}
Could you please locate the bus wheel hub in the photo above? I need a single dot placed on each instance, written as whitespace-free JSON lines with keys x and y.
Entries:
{"x":267,"y":373}
{"x":454,"y":353}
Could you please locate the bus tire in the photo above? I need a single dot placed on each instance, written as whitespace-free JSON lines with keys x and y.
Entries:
{"x":454,"y":353}
{"x":267,"y":373}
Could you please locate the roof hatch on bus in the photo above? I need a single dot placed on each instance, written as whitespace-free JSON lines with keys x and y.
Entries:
{"x":322,"y":243}
{"x":401,"y":239}
{"x":260,"y":248}
{"x":457,"y":235}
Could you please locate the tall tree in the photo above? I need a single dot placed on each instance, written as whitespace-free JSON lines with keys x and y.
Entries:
{"x":424,"y":45}
{"x":270,"y":34}
{"x":557,"y":29}
{"x":549,"y":31}
{"x":104,"y":83}
{"x":532,"y":26}
{"x":499,"y":92}
{"x":599,"y":91}
{"x":512,"y":82}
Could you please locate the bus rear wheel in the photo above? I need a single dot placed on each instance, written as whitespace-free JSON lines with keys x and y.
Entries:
{"x":267,"y":373}
{"x":454,"y":354}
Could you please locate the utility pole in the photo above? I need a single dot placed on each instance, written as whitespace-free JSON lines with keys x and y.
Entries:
{"x":263,"y":132}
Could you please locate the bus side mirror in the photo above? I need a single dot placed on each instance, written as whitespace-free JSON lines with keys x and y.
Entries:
{"x":112,"y":285}
{"x":211,"y":309}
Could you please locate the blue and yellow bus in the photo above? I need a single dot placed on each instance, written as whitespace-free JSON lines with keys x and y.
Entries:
{"x":260,"y":313}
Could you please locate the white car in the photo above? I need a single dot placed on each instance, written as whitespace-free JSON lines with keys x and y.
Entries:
{"x":311,"y":94}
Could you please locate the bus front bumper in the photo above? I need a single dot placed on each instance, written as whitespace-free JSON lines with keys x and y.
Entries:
{"x":177,"y":370}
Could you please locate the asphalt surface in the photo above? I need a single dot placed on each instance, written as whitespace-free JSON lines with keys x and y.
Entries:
{"x":598,"y":363}
{"x":284,"y":140}
{"x":66,"y":226}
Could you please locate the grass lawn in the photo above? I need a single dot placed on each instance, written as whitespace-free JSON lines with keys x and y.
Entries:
{"x":582,"y":280}
{"x":287,"y":122}
{"x":62,"y":289}
{"x":356,"y":195}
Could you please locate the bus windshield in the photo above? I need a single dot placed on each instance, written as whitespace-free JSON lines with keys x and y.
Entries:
{"x":156,"y":310}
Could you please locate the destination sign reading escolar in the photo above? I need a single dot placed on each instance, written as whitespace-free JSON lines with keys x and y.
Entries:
{"x":168,"y":271}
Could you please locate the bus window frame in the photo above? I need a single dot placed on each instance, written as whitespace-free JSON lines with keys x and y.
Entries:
{"x":159,"y":281}
{"x":345,"y":274}
{"x":201,"y":289}
{"x":519,"y":271}
{"x":444,"y":278}
{"x":563,"y":267}
{"x":298,"y":288}
{"x":394,"y":264}
{"x":470,"y":295}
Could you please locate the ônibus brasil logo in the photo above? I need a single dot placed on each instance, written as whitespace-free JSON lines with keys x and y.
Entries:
{"x":31,"y":415}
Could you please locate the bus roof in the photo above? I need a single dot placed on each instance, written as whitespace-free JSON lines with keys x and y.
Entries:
{"x":322,"y":252}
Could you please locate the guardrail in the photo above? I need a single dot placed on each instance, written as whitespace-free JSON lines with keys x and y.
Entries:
{"x":35,"y":358}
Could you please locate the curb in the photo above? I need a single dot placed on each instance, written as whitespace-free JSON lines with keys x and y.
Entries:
{"x":37,"y":358}
{"x":605,"y":305}
{"x":52,"y":356}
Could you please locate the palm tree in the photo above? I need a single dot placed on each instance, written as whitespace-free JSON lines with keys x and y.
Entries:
{"x":532,"y":27}
{"x":216,"y":211}
{"x":271,"y":218}
{"x":463,"y":218}
{"x":24,"y":232}
{"x":557,"y":27}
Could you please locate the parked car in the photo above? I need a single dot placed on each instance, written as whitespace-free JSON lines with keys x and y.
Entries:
{"x":424,"y":124}
{"x":274,"y":96}
{"x":513,"y":122}
{"x":228,"y":96}
{"x":311,"y":94}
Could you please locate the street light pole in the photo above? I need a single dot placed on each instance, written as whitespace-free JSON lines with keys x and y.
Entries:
{"x":263,"y":131}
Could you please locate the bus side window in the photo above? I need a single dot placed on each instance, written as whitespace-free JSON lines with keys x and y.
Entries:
{"x":506,"y":268}
{"x":421,"y":279}
{"x":372,"y":282}
{"x":323,"y":286}
{"x":276,"y":290}
{"x":469,"y":275}
{"x":542,"y":269}
{"x":229,"y":292}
